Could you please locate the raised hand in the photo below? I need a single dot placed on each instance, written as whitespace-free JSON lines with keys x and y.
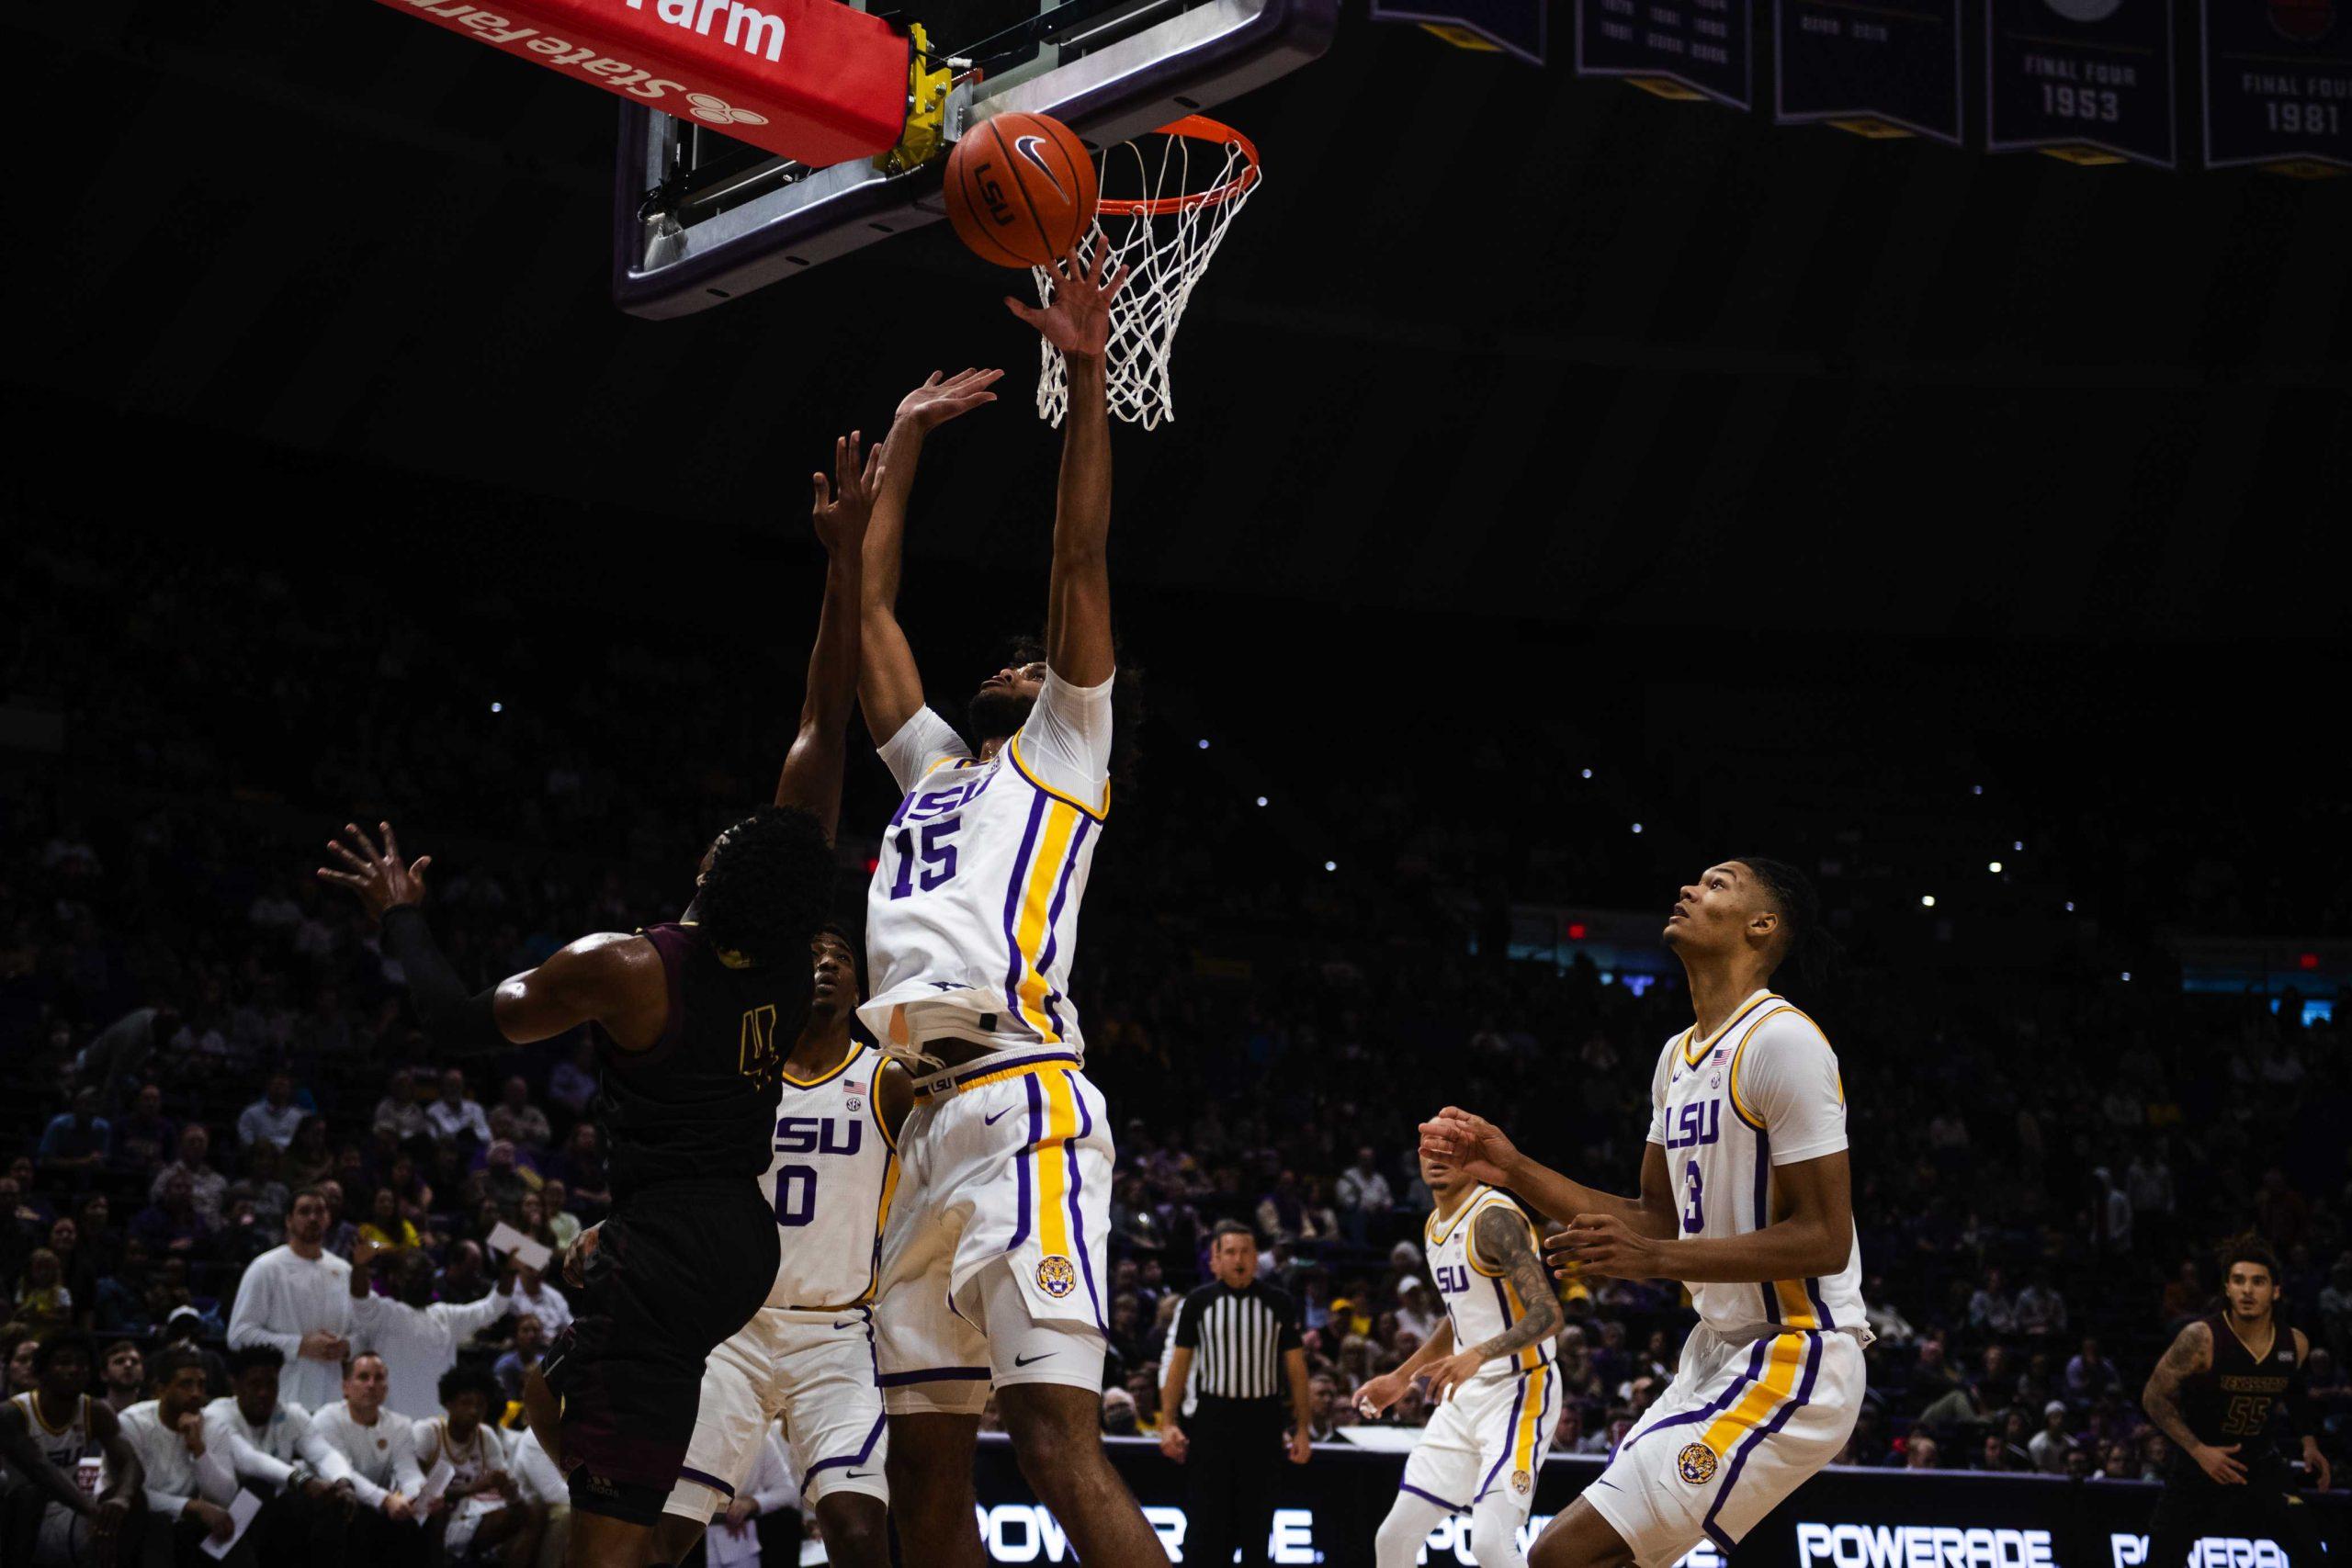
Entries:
{"x":381,"y":877}
{"x":1472,"y":1144}
{"x":941,"y":397}
{"x":1078,"y":321}
{"x":842,"y":509}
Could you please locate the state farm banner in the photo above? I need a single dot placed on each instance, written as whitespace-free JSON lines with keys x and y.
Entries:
{"x":815,"y":81}
{"x":2277,"y":83}
{"x":2092,"y":80}
{"x":1702,"y":46}
{"x":1868,"y":67}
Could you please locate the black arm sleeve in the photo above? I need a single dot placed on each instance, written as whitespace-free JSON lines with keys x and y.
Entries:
{"x":449,"y":1016}
{"x":1291,"y":1335}
{"x":1188,"y":1321}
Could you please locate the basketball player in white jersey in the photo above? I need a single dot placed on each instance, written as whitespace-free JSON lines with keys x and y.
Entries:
{"x":1491,"y":1371}
{"x":1746,"y":1199}
{"x":808,"y":1354}
{"x":992,"y":1259}
{"x":56,"y":1436}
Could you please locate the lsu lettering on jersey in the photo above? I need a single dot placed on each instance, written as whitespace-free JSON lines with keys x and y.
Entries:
{"x":1479,"y":1298}
{"x":1761,"y":1092}
{"x":831,"y":1184}
{"x":62,"y":1447}
{"x":971,"y":922}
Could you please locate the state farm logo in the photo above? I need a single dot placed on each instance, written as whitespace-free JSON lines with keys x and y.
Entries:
{"x":718,"y":112}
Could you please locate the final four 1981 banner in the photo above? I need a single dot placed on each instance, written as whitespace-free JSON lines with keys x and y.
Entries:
{"x":2277,"y":84}
{"x":2090,"y":80}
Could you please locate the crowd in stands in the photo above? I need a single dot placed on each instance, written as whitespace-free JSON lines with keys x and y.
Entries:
{"x":225,"y":1137}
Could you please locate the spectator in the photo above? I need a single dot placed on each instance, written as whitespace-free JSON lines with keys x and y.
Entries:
{"x":581,"y":1167}
{"x":416,"y":1335}
{"x":573,"y":1085}
{"x":183,"y":1328}
{"x":77,"y":1141}
{"x":44,"y":1302}
{"x":516,"y":1120}
{"x":24,"y":1347}
{"x":2041,"y":1308}
{"x":2110,"y":1213}
{"x":462,"y":1277}
{"x":401,"y":1110}
{"x":100,"y":1244}
{"x":455,"y":1117}
{"x":1919,"y":1452}
{"x":272,"y":1118}
{"x":564,"y":1225}
{"x":2091,"y":1376}
{"x":146,"y":1137}
{"x":386,"y":1229}
{"x":341,"y":1236}
{"x":530,"y":1349}
{"x":379,"y":1448}
{"x":190,"y":1483}
{"x":274,"y":1449}
{"x":1364,"y":1195}
{"x":1992,"y":1310}
{"x":172,"y":1226}
{"x":2148,"y":1182}
{"x":206,"y":1186}
{"x":123,"y":1378}
{"x":309,"y":1161}
{"x":2051,"y":1446}
{"x":296,"y":1298}
{"x":505,"y":1182}
{"x":1416,"y":1313}
{"x":2117,"y":1463}
{"x":769,"y":1492}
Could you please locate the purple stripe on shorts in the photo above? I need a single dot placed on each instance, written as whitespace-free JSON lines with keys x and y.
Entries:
{"x":932,"y":1374}
{"x":1779,"y":1419}
{"x":688,"y":1472}
{"x":1013,"y":909}
{"x":1077,"y":1220}
{"x":842,"y":1461}
{"x":1731,"y":1391}
{"x":1021,"y":1161}
{"x":1517,"y":1402}
{"x":1450,"y":1508}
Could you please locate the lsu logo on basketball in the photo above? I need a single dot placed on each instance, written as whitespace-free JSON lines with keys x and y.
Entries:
{"x":1055,"y":1275}
{"x":992,"y":195}
{"x":1695,"y":1464}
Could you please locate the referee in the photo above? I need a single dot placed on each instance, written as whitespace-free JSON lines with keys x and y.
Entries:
{"x":1245,"y":1339}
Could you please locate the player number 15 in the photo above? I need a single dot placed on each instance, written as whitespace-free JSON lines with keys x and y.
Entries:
{"x":938,"y":856}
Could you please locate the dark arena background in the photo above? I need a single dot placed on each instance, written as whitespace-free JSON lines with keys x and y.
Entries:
{"x":1570,"y":487}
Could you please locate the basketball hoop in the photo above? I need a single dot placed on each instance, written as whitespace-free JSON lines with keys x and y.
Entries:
{"x":1163,"y":224}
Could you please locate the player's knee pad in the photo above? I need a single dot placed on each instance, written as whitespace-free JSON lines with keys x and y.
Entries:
{"x":1494,"y":1535}
{"x":1398,"y":1543}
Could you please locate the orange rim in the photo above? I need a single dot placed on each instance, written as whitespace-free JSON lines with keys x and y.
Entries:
{"x":1199,"y":128}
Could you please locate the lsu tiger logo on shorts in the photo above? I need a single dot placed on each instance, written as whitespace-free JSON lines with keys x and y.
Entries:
{"x":1695,"y":1464}
{"x":1520,"y":1482}
{"x":1055,"y":1275}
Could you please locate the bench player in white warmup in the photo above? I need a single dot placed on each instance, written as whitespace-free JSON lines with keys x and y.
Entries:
{"x":1747,"y":1198}
{"x":1491,"y":1369}
{"x":993,"y":1254}
{"x":808,"y":1356}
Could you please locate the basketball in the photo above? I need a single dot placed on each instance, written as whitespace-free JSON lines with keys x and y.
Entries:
{"x":1020,"y":189}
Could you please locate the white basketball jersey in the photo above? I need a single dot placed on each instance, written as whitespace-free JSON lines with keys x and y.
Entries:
{"x":972,"y":917}
{"x":830,"y":1182}
{"x":471,"y":1463}
{"x":62,"y":1447}
{"x":1762,"y":1090}
{"x":1479,"y":1299}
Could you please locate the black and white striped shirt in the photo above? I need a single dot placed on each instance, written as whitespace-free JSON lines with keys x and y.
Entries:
{"x":1238,"y":1339}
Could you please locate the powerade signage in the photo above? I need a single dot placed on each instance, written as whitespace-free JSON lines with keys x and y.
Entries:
{"x":1328,"y":1510}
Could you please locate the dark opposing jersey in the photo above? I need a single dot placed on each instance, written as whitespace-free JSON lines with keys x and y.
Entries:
{"x":700,"y":1103}
{"x":2240,"y":1400}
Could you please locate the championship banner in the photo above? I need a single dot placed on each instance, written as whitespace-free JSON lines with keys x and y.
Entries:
{"x":1677,"y":49}
{"x":2089,"y":81}
{"x":1505,"y":27}
{"x":2277,"y":84}
{"x":1876,"y":69}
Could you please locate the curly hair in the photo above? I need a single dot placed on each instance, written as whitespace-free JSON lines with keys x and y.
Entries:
{"x":768,"y":886}
{"x":462,"y":1379}
{"x":244,"y":1359}
{"x":2247,"y":1246}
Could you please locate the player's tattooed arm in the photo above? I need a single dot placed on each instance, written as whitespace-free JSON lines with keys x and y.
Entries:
{"x":2191,"y":1352}
{"x":811,"y":778}
{"x":1505,"y":1241}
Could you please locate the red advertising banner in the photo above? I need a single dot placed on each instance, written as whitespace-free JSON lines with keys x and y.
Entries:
{"x":814,"y":81}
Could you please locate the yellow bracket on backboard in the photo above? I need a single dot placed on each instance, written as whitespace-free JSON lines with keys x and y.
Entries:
{"x":928,"y":89}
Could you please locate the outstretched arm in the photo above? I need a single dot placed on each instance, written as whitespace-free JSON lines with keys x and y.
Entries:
{"x":608,"y":978}
{"x":811,"y":778}
{"x":1077,"y":606}
{"x":1482,"y":1150}
{"x":889,"y":687}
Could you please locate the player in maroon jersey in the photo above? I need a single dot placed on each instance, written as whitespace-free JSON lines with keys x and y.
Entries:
{"x":2229,"y":1382}
{"x":694,"y":1018}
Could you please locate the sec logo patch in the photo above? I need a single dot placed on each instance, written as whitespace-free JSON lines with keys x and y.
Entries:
{"x":1695,"y":1464}
{"x":1520,"y":1482}
{"x":1055,"y":1275}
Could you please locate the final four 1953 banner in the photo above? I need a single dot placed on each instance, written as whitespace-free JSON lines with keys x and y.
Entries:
{"x":1684,"y":49}
{"x":1878,"y":67}
{"x":2277,"y":84}
{"x":2087,"y":80}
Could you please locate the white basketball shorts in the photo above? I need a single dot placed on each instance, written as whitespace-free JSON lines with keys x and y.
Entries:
{"x":1744,"y":1424}
{"x":815,"y":1370}
{"x":993,"y":1254}
{"x":1490,"y":1437}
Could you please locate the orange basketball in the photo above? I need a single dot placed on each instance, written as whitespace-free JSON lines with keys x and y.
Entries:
{"x":1020,"y":189}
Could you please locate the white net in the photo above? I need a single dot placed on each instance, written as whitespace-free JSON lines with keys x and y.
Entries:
{"x":1163,"y":221}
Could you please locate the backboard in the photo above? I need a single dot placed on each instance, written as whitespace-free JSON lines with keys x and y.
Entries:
{"x":699,"y":219}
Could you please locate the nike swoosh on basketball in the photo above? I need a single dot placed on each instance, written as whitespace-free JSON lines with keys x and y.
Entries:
{"x":992,"y":1121}
{"x":1024,"y":1361}
{"x":1028,"y":147}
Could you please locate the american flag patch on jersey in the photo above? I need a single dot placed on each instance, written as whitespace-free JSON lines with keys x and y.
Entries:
{"x":852,"y":1086}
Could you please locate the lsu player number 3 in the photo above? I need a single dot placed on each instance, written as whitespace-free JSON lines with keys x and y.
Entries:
{"x":1745,"y":1197}
{"x":992,"y":1256}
